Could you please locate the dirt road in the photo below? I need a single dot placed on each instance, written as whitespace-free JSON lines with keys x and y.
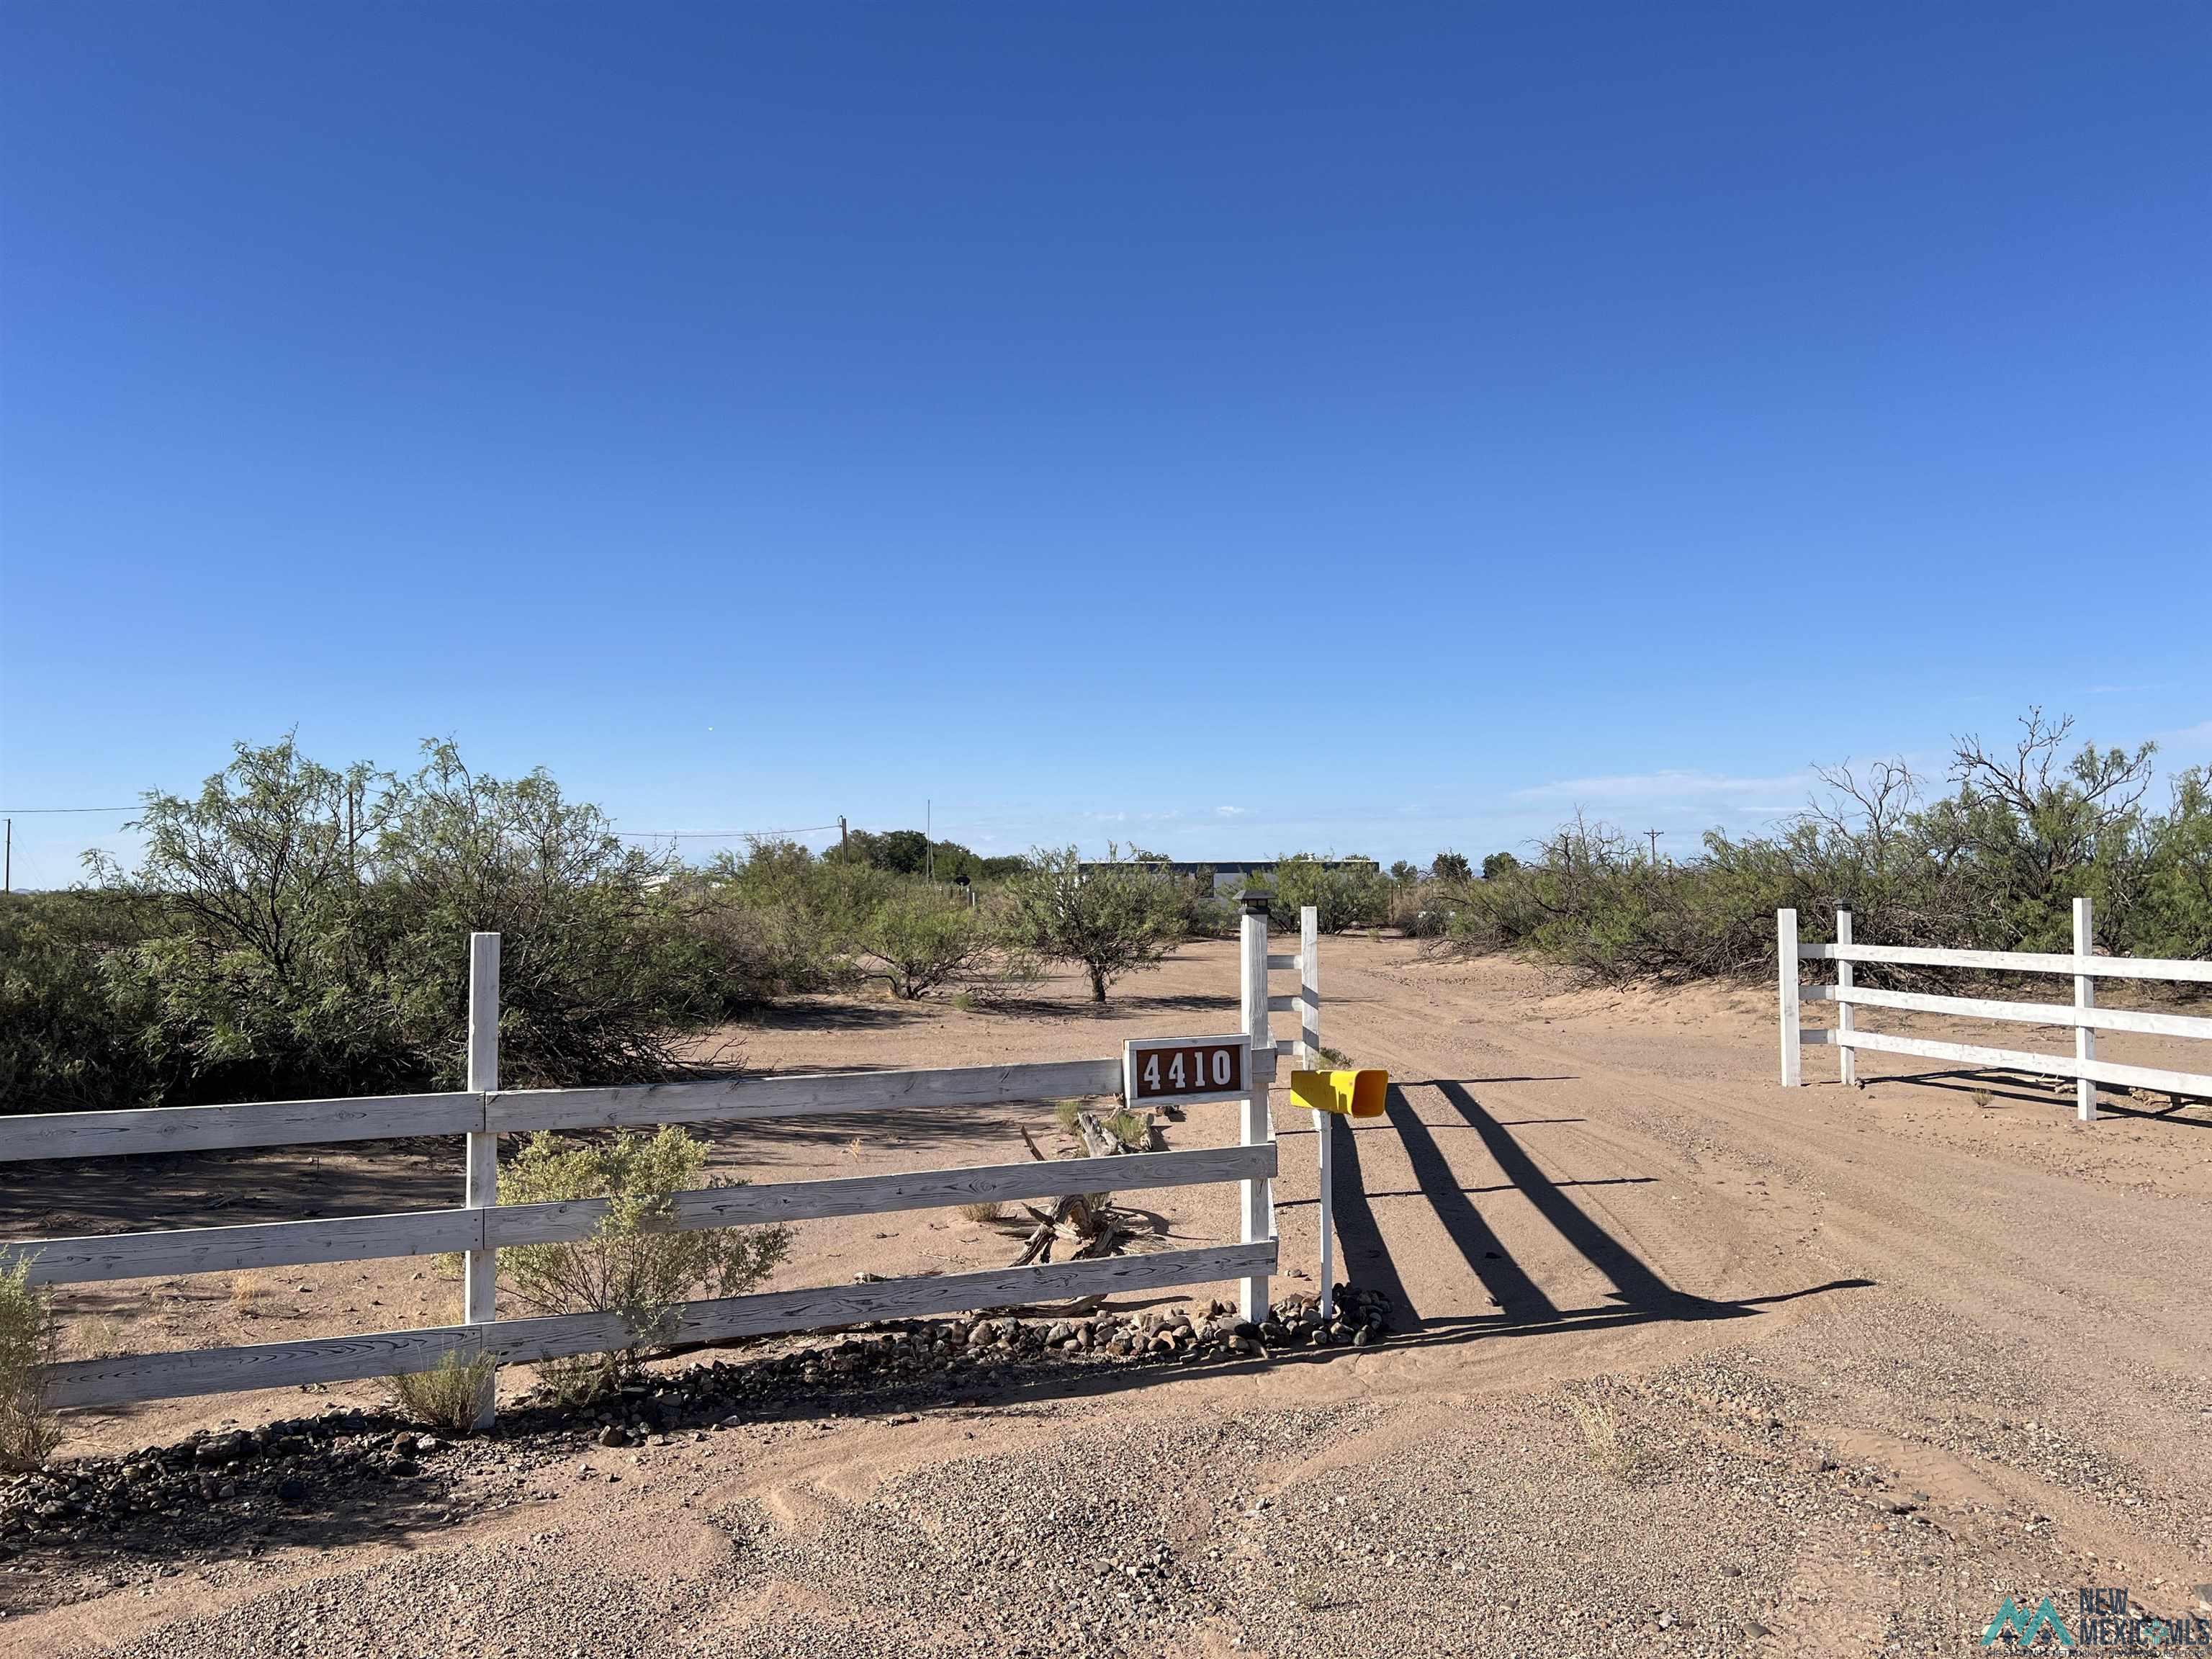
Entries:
{"x":1698,"y":1366}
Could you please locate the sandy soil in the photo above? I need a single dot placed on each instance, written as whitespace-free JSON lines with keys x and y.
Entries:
{"x":1699,"y":1366}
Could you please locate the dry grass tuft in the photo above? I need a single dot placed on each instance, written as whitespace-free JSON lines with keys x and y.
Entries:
{"x":247,"y":1292}
{"x":445,"y":1398}
{"x":993,"y":1211}
{"x":1600,"y":1428}
{"x":97,"y":1338}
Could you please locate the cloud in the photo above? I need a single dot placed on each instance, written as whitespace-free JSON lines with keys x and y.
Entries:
{"x":1230,"y":812}
{"x":2189,"y":740}
{"x":1667,"y":785}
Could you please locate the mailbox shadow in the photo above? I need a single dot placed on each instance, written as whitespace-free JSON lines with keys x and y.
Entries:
{"x":1639,"y":1293}
{"x":1634,"y":1282}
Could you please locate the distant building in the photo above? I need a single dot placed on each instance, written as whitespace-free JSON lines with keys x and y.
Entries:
{"x":1225,"y":872}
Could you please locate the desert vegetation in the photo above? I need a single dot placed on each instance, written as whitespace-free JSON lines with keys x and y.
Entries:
{"x":294,"y":930}
{"x":635,"y":1264}
{"x":28,"y":1344}
{"x":1994,"y":863}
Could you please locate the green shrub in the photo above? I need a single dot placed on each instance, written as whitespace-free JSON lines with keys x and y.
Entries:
{"x":1354,"y":893}
{"x":788,"y":916}
{"x":68,"y":1033}
{"x":1114,"y":919}
{"x":28,"y":1344}
{"x":918,"y":936}
{"x":634,"y":1264}
{"x":293,"y":931}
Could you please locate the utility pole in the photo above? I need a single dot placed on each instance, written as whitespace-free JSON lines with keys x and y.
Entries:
{"x":1655,"y":835}
{"x":928,"y":838}
{"x":7,"y":878}
{"x":844,"y":843}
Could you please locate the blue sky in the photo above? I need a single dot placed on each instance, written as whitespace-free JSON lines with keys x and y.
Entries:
{"x":1231,"y":428}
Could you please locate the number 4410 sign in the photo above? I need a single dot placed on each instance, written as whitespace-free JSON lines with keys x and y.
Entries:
{"x":1186,"y":1070}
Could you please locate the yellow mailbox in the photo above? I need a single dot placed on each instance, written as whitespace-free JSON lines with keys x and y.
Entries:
{"x":1363,"y":1093}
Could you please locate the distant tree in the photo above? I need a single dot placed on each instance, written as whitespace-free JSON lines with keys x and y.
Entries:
{"x":919,"y":937}
{"x":1451,"y":866}
{"x":1115,"y":919}
{"x":1343,"y":892}
{"x":910,"y":852}
{"x":1403,"y":874}
{"x":1499,"y":864}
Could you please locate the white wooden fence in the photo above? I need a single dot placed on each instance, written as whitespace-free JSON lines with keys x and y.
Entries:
{"x":2082,"y":1015}
{"x":482,"y":1225}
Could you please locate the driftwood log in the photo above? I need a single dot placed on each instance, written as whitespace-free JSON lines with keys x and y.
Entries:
{"x":1084,"y":1220}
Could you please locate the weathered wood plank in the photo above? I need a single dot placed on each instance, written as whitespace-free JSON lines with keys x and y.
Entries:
{"x":2018,"y":962}
{"x":131,"y":1378}
{"x":266,"y":1244}
{"x":743,"y":1098}
{"x":212,"y":1128}
{"x":877,"y":1194}
{"x":2016,"y":1059}
{"x":525,"y":1339}
{"x":333,"y":1359}
{"x":2024,"y":1013}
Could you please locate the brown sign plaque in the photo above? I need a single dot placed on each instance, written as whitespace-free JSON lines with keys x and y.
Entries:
{"x":1186,"y":1070}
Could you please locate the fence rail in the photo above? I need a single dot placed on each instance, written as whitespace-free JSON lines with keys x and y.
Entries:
{"x":134,"y":1377}
{"x":2082,"y":1015}
{"x":482,"y":1226}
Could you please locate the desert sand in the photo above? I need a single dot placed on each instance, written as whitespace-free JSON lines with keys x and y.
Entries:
{"x":1689,"y":1364}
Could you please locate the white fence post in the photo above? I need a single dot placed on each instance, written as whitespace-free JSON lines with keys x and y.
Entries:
{"x":1324,"y":1128}
{"x":1308,"y":985}
{"x":1847,"y":1059}
{"x":1785,"y":951}
{"x":2085,"y":996}
{"x":480,"y":1293}
{"x":1259,"y":1196}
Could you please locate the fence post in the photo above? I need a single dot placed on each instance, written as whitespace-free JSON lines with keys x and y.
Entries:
{"x":1324,"y":1122}
{"x":479,"y":1295}
{"x":2085,"y":996}
{"x":1259,"y":1196}
{"x":1785,"y":951}
{"x":1847,"y":1059}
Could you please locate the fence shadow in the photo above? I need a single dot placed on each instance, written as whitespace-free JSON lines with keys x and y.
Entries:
{"x":1639,"y":1293}
{"x":2007,"y":1085}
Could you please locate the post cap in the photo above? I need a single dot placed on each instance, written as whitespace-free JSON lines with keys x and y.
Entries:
{"x":1255,"y":900}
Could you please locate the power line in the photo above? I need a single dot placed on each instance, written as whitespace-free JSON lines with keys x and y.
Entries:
{"x":718,"y":834}
{"x":33,"y":811}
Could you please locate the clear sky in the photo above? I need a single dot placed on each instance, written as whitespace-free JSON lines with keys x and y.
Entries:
{"x":1232,"y":429}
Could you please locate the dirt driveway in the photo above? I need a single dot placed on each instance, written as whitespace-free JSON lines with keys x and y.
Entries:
{"x":1696,"y":1366}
